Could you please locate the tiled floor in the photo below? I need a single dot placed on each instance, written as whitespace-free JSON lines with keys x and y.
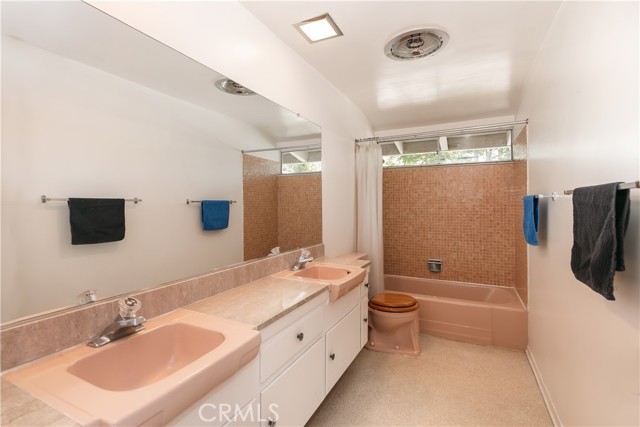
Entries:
{"x":450,"y":384}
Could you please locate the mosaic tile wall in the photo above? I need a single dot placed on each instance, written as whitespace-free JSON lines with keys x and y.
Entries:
{"x":299,"y":210}
{"x":461,"y":214}
{"x":519,"y":190}
{"x":260,"y":194}
{"x":279,"y":210}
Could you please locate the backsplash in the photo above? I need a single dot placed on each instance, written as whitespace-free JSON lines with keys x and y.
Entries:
{"x":30,"y":339}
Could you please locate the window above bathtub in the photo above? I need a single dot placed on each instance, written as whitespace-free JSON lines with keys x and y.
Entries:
{"x":487,"y":147}
{"x":301,"y":161}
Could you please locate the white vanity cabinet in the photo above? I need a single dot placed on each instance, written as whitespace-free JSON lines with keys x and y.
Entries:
{"x":343,"y":326}
{"x":293,"y":397}
{"x":302,"y":356}
{"x":292,"y":371}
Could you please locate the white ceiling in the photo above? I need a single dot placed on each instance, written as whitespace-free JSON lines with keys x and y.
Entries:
{"x":479,"y":74}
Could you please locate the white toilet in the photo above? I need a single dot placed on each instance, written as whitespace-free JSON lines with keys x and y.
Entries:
{"x":393,"y":324}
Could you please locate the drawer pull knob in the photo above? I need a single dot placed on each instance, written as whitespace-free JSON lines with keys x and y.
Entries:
{"x":365,"y":319}
{"x":366,"y":285}
{"x":300,"y":336}
{"x":332,"y":356}
{"x":272,"y":422}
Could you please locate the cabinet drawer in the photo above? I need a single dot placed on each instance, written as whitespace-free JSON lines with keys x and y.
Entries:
{"x":294,"y":396}
{"x":292,"y":340}
{"x":343,"y":345}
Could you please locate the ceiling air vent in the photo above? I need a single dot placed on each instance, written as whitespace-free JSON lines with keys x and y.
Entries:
{"x":416,"y":44}
{"x":229,"y":86}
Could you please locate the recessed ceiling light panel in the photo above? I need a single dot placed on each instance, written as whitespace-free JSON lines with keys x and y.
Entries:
{"x":416,"y":44}
{"x":319,"y":28}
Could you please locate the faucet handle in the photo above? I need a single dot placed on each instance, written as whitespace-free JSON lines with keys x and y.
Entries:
{"x":305,"y":253}
{"x":129,"y":306}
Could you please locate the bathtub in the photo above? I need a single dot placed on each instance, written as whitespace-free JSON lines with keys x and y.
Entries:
{"x":479,"y":314}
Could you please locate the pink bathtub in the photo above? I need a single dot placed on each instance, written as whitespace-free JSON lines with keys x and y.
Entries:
{"x":479,"y":314}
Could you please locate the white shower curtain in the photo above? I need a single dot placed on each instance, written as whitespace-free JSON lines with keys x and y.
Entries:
{"x":369,"y":210}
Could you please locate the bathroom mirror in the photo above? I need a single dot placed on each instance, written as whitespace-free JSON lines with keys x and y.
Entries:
{"x":94,"y":108}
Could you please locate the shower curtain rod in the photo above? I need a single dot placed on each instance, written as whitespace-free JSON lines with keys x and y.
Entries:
{"x":285,"y":149}
{"x":443,"y":132}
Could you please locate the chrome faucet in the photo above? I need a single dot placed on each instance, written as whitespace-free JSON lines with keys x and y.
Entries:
{"x":127,"y":323}
{"x":302,"y":261}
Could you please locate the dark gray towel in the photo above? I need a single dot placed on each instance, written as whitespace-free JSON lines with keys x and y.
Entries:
{"x":600,"y":220}
{"x":96,"y":220}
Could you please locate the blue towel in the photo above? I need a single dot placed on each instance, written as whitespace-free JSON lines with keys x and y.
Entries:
{"x":215,"y":214}
{"x":531,"y":219}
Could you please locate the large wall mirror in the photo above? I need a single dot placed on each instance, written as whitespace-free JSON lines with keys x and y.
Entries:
{"x":93,"y":108}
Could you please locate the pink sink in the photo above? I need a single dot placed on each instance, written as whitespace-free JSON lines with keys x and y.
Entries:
{"x":340,"y":278}
{"x":322,"y":272}
{"x":147,"y":378}
{"x":147,"y":358}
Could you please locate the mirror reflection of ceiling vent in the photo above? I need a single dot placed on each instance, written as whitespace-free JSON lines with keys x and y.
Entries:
{"x":416,"y":44}
{"x":229,"y":86}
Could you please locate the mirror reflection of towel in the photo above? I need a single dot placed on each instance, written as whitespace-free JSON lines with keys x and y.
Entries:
{"x":96,"y":220}
{"x":215,"y":214}
{"x":600,"y":220}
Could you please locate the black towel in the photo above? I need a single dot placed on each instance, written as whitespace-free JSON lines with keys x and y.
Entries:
{"x":600,"y":220}
{"x":96,"y":220}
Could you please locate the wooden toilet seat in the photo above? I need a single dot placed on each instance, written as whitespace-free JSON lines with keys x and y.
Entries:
{"x":393,"y":303}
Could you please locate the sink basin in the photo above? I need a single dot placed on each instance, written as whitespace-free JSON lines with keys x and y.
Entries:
{"x":323,"y":272}
{"x":147,"y":358}
{"x":147,"y":378}
{"x":340,"y":278}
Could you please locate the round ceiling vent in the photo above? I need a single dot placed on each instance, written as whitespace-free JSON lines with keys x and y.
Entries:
{"x":229,"y":86}
{"x":416,"y":44}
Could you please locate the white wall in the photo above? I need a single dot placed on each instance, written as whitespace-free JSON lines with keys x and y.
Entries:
{"x":70,"y":130}
{"x":582,"y":103}
{"x":227,"y":38}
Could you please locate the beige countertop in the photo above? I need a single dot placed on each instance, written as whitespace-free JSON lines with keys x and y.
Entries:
{"x":19,"y":408}
{"x":261,"y":302}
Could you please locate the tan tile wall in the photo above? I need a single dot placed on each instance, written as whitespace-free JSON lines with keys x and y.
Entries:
{"x":460,"y":214}
{"x":37,"y":337}
{"x":299,"y":210}
{"x":519,"y":190}
{"x":260,"y":194}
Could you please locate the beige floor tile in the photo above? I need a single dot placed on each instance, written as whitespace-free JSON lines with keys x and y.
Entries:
{"x":450,"y":384}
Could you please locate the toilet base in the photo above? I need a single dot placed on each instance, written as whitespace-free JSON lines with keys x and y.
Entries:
{"x":394,"y":332}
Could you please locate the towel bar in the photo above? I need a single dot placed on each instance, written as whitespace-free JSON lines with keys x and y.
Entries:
{"x":200,"y":201}
{"x":623,"y":186}
{"x":45,"y":199}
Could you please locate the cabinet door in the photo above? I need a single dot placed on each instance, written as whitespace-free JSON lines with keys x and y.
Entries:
{"x":293,"y":397}
{"x":364,"y":324}
{"x":343,"y":345}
